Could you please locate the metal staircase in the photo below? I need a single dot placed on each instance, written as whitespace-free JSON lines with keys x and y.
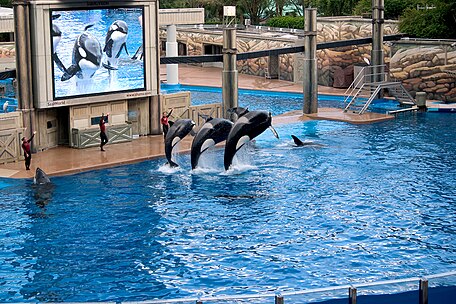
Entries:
{"x":367,"y":85}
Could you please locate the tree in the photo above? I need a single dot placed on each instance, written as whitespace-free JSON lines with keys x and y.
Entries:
{"x":254,"y":9}
{"x":438,"y":22}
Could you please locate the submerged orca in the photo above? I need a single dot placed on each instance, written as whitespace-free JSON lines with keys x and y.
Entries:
{"x":247,"y":127}
{"x":86,"y":56}
{"x":115,"y":42}
{"x":213,"y":131}
{"x":43,"y":188}
{"x":41,"y":178}
{"x":176,"y":133}
{"x":300,"y":143}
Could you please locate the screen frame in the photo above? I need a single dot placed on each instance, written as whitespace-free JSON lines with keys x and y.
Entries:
{"x":123,"y":94}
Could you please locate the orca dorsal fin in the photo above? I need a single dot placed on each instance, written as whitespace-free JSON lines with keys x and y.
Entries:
{"x":297,"y":141}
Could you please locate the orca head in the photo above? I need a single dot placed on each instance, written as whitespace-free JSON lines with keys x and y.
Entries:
{"x":41,"y":177}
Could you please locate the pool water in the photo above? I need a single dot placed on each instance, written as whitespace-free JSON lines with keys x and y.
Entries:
{"x":374,"y":202}
{"x":275,"y":102}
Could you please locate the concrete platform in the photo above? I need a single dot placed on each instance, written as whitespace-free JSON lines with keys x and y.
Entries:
{"x":65,"y":160}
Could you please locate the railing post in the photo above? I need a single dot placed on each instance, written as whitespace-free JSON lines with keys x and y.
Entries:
{"x":199,"y":302}
{"x":352,"y":295}
{"x":279,"y":299}
{"x":423,"y":299}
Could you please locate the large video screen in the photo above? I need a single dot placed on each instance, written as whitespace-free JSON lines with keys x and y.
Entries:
{"x":97,"y":51}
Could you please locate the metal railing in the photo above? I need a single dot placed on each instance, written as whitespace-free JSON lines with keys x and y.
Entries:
{"x":279,"y":298}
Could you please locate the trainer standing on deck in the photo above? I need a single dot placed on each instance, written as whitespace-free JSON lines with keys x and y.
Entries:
{"x":103,"y":136}
{"x":27,"y":150}
{"x":165,"y":122}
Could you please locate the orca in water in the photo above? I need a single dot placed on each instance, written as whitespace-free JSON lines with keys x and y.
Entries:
{"x":56,"y":37}
{"x":43,"y":188}
{"x":213,"y":131}
{"x":115,"y":42}
{"x":247,"y":127}
{"x":176,"y":133}
{"x":86,"y":56}
{"x":41,"y":177}
{"x":300,"y":143}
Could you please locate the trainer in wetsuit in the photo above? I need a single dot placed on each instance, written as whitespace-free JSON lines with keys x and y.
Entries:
{"x":103,"y":136}
{"x":27,"y":150}
{"x":165,"y":122}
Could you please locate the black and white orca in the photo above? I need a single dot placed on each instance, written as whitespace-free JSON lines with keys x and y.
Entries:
{"x":115,"y":42}
{"x":247,"y":127}
{"x":212,"y":132}
{"x":176,"y":133}
{"x":87,"y":56}
{"x":56,"y":37}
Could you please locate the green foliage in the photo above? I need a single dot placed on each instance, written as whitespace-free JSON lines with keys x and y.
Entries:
{"x":393,"y":8}
{"x":437,"y":23}
{"x":6,"y":3}
{"x":286,"y":22}
{"x":332,"y":7}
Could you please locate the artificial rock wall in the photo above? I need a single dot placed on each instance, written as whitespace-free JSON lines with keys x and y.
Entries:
{"x":426,"y":69}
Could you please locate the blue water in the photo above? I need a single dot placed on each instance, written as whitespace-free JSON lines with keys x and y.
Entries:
{"x":375,"y":202}
{"x":275,"y":102}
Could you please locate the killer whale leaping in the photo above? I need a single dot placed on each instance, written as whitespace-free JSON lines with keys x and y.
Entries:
{"x":212,"y":132}
{"x":247,"y":127}
{"x":115,"y":42}
{"x":176,"y":133}
{"x":86,"y":56}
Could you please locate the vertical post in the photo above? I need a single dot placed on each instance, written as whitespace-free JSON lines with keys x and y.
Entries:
{"x":199,"y":302}
{"x":352,"y":295}
{"x":310,"y":81}
{"x":172,"y":70}
{"x":23,"y":64}
{"x":377,"y":56}
{"x":279,"y":299}
{"x":230,"y":73}
{"x":423,"y":299}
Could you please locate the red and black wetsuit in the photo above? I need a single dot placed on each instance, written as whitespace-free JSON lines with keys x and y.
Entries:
{"x":165,"y":123}
{"x":103,"y":136}
{"x":27,"y":151}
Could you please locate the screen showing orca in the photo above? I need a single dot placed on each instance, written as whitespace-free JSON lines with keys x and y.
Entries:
{"x":92,"y":51}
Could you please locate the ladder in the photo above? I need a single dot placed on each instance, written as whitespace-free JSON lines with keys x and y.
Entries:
{"x":363,"y":90}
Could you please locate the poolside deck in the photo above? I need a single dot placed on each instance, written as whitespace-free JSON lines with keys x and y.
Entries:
{"x":65,"y":160}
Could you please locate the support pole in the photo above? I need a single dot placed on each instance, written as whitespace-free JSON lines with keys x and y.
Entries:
{"x":423,"y":299}
{"x":310,"y":84}
{"x":378,"y":11}
{"x":230,"y":73}
{"x":279,"y":299}
{"x":172,"y":70}
{"x":352,"y":295}
{"x":23,"y":65}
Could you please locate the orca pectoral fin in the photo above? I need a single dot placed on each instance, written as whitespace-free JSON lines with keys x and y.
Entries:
{"x":108,"y":48}
{"x":109,"y":67}
{"x":274,"y":132}
{"x":70,"y":72}
{"x":59,"y":63}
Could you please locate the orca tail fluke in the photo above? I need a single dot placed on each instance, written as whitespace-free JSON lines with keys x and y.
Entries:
{"x":70,"y":72}
{"x":297,"y":141}
{"x":172,"y":164}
